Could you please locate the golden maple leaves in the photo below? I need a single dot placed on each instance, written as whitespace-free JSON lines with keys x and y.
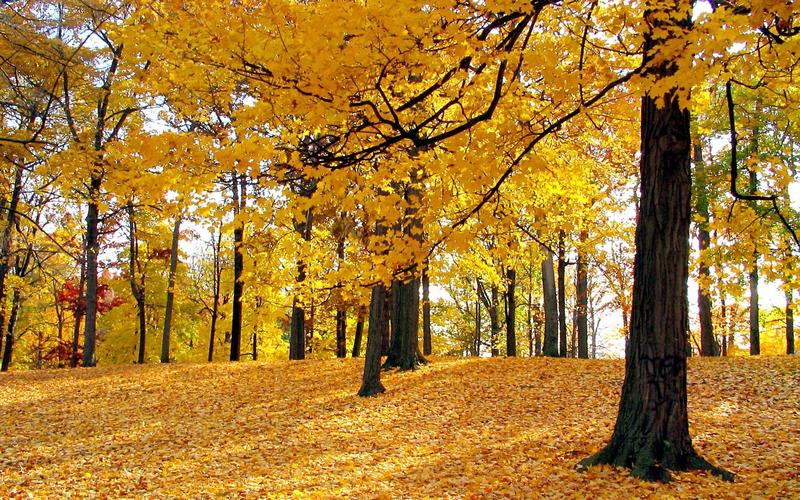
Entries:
{"x":458,"y":428}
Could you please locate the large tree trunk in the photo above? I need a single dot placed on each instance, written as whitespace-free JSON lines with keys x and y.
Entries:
{"x":173,"y":267}
{"x":371,"y":379}
{"x":708,"y":342}
{"x":550,"y":344}
{"x":511,"y":313}
{"x":404,"y":351}
{"x":562,"y":297}
{"x":427,"y":345}
{"x":651,"y":434}
{"x":582,"y":301}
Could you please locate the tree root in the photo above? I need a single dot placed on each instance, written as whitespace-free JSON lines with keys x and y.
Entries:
{"x":647,"y":468}
{"x":368,"y":390}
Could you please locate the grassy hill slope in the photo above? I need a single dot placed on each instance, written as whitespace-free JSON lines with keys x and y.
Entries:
{"x":459,"y":427}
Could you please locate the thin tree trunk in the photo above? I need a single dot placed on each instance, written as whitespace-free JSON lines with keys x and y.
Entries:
{"x":708,"y":342}
{"x":755,"y":340}
{"x":76,"y":328}
{"x":427,"y":344}
{"x":582,"y":300}
{"x":651,"y":435}
{"x":297,"y":329}
{"x":5,"y":256}
{"x":173,"y":267}
{"x":562,"y":297}
{"x":8,"y":348}
{"x":341,"y":334}
{"x":387,"y":330}
{"x":371,"y":379}
{"x":789,"y":322}
{"x":341,"y":313}
{"x":136,"y":281}
{"x":239,"y":201}
{"x":477,"y":338}
{"x":92,"y":252}
{"x":724,"y":321}
{"x":358,"y":335}
{"x":494,"y":318}
{"x":511,"y":313}
{"x":529,"y":318}
{"x":216,"y":285}
{"x":550,"y":345}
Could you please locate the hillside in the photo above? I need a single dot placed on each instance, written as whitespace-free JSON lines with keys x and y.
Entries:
{"x":459,"y":427}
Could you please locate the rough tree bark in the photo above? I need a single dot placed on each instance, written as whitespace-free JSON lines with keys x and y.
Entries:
{"x":173,"y":267}
{"x":404,"y":351}
{"x":651,"y":435}
{"x":550,"y":344}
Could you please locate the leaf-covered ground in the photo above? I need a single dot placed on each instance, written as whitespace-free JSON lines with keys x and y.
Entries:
{"x":457,"y":428}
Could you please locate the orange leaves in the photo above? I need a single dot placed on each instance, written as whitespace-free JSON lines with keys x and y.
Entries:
{"x":472,"y":428}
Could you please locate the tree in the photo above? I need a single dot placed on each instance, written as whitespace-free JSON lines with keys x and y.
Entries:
{"x":708,"y":342}
{"x":651,"y":434}
{"x":173,"y":266}
{"x":511,"y":312}
{"x":550,"y":344}
{"x":582,"y":300}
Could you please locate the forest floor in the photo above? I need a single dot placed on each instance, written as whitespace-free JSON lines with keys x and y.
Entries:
{"x":456,"y":428}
